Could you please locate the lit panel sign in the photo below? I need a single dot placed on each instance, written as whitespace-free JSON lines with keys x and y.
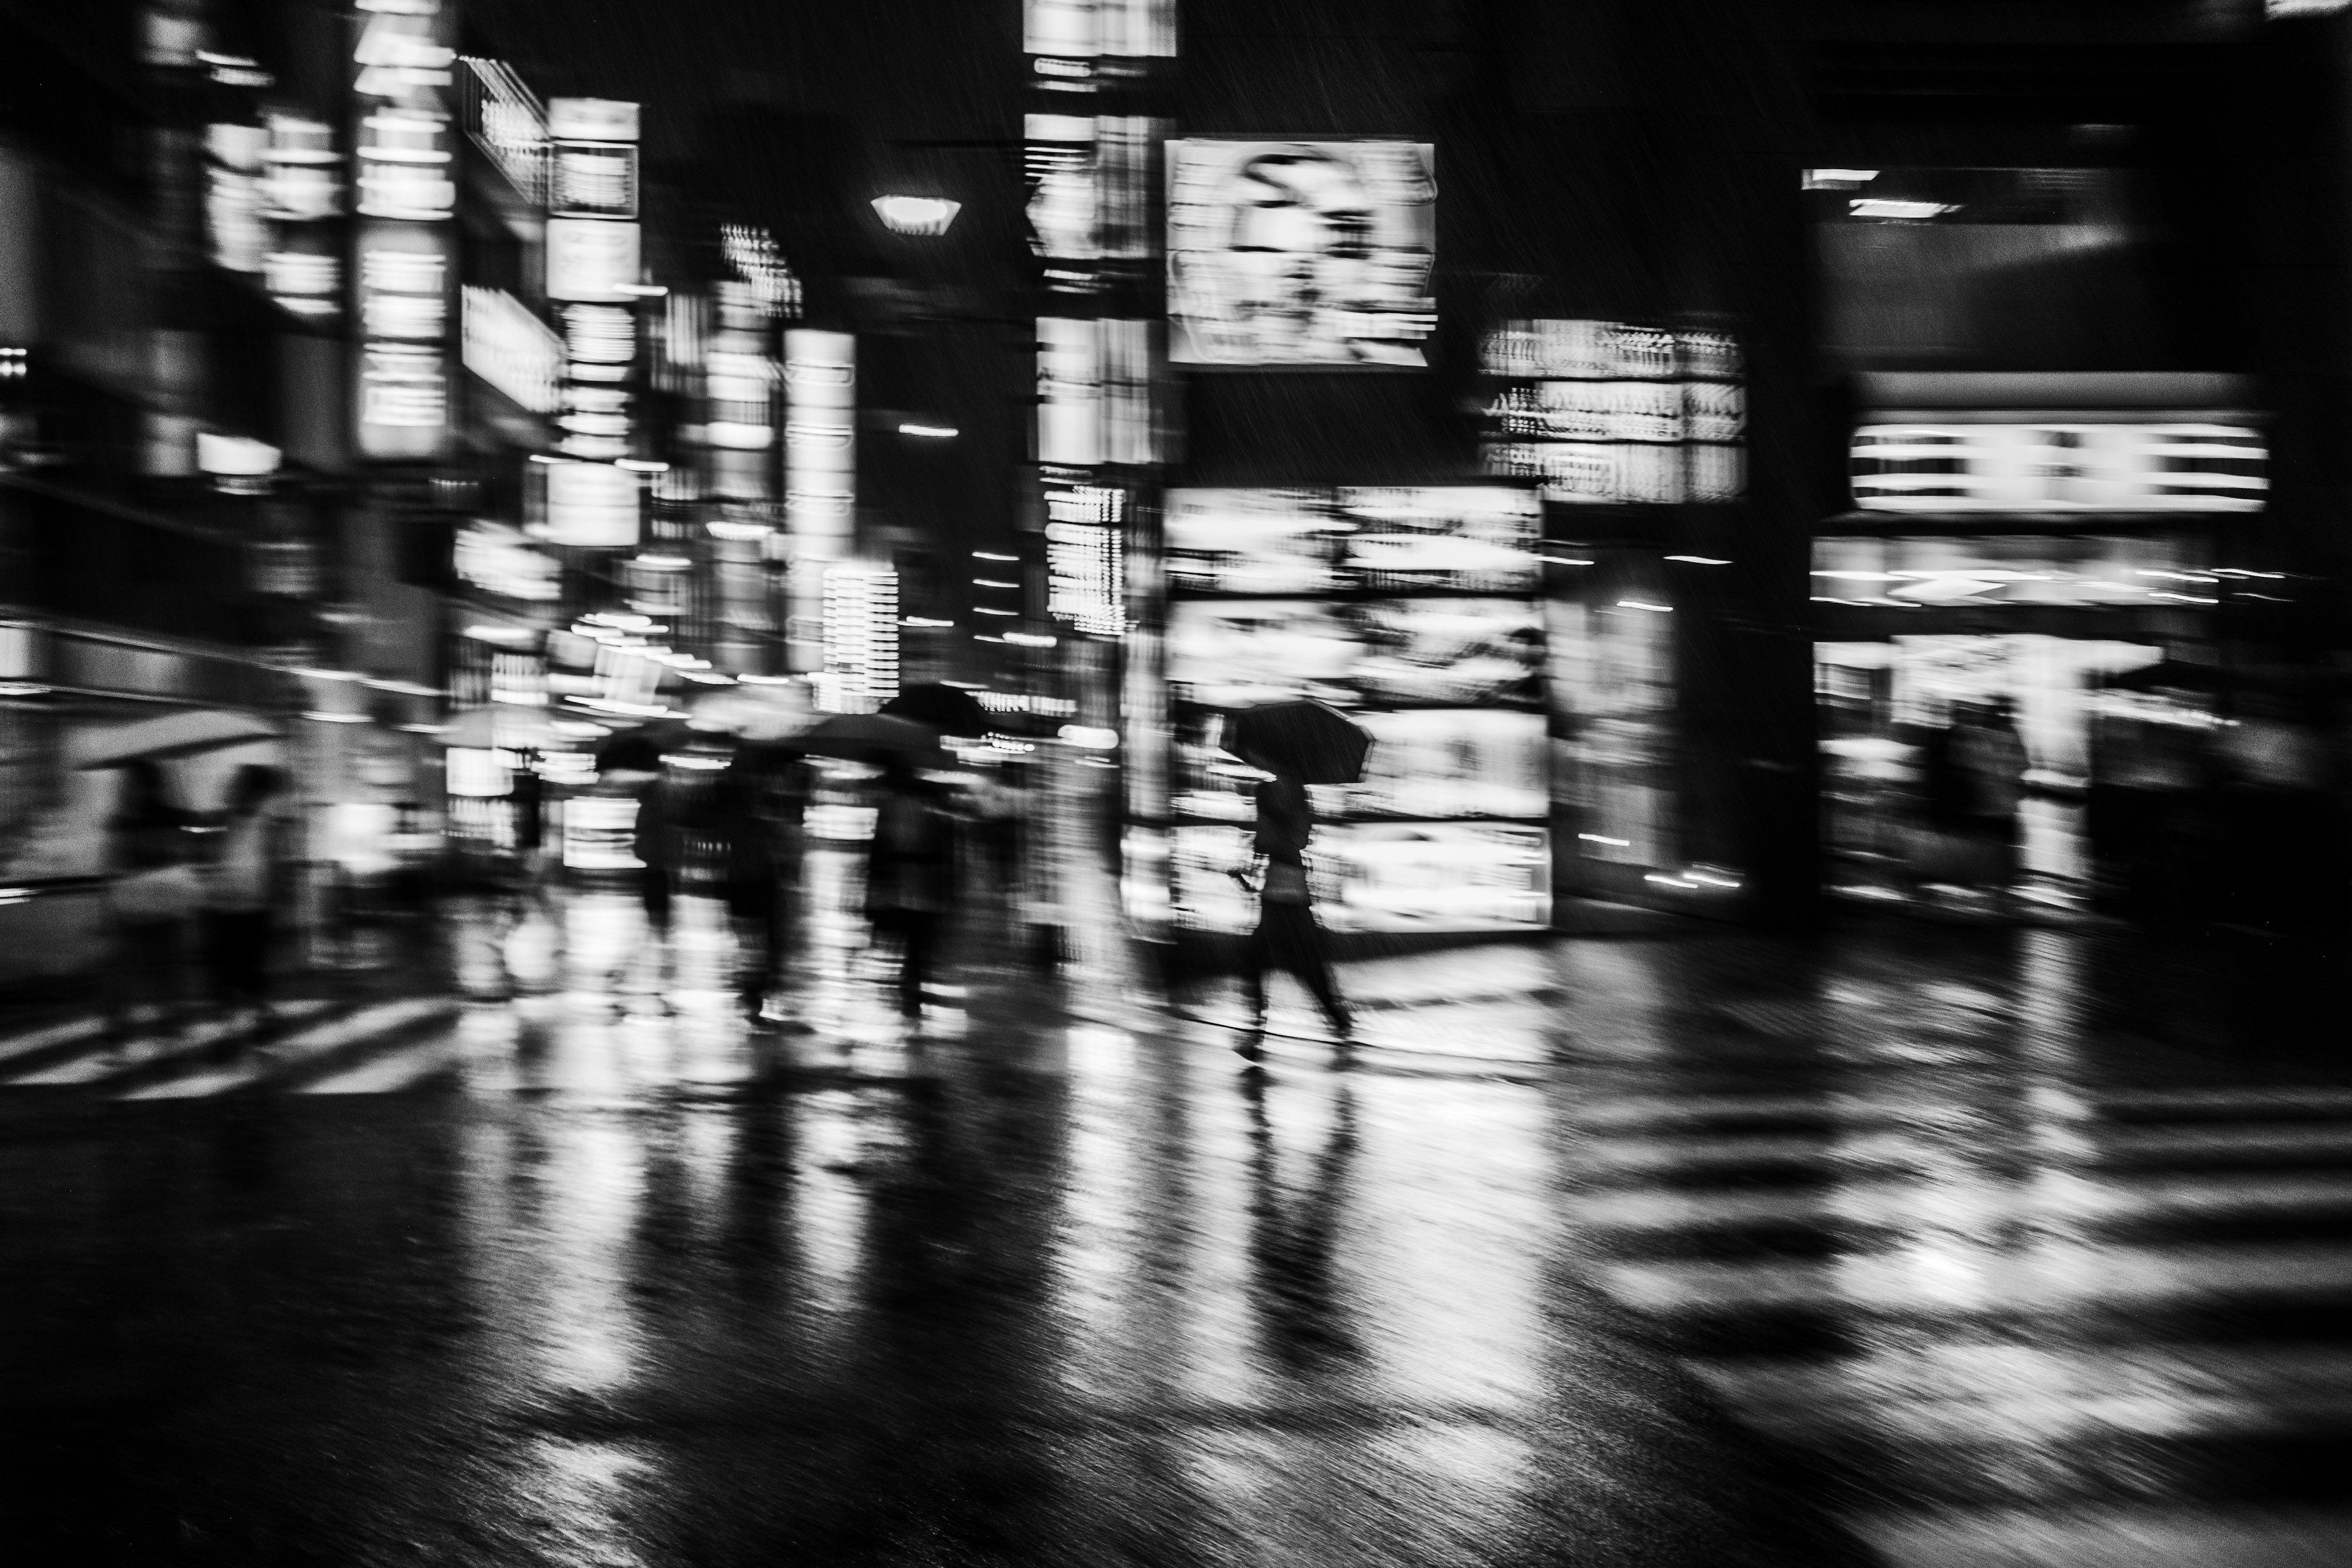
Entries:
{"x":404,"y":251}
{"x":590,"y":258}
{"x":861,"y":640}
{"x":511,"y":349}
{"x":1415,"y":610}
{"x":594,"y":505}
{"x":1300,"y":253}
{"x":508,"y":123}
{"x":1086,"y":558}
{"x":820,"y":473}
{"x":1616,"y":412}
{"x":2149,"y":572}
{"x":2047,"y":468}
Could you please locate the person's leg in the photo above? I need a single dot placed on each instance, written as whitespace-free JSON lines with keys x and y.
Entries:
{"x":920,"y":933}
{"x":1309,"y":959}
{"x":1258,"y":957}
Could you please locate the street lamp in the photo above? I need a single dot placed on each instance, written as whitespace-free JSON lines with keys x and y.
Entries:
{"x":916,"y":214}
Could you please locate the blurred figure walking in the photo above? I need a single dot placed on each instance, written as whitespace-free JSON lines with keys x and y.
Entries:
{"x":634,"y":767}
{"x":153,"y":894}
{"x":240,"y":888}
{"x":1287,"y":936}
{"x":909,"y":872}
{"x":756,"y":809}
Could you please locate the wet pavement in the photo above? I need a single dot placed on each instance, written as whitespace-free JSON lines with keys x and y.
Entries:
{"x":1910,"y":1246}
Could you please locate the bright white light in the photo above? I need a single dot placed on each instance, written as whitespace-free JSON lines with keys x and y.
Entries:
{"x":994,"y":582}
{"x":916,"y":214}
{"x":986,"y":611}
{"x":1889,"y":207}
{"x":1089,"y":737}
{"x":1597,"y":839}
{"x":1837,"y":179}
{"x":326,"y":718}
{"x":1701,"y":560}
{"x":940,"y":430}
{"x":990,"y":555}
{"x":922,"y":621}
{"x":1031,"y":639}
{"x":1641,"y":605}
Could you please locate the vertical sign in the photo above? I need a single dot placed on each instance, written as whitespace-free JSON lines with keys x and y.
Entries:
{"x":820,"y":476}
{"x":404,"y":275}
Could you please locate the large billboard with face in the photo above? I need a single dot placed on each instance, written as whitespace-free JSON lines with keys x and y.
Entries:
{"x":1300,"y":253}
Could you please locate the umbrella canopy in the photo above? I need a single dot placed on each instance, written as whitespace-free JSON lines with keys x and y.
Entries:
{"x":641,"y":750}
{"x":950,"y":709}
{"x":762,"y":713}
{"x":500,"y":725}
{"x":183,"y":734}
{"x":858,"y":736}
{"x":1318,"y":743}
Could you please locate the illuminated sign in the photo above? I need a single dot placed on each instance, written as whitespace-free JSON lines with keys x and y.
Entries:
{"x":590,"y":258}
{"x":404,"y":252}
{"x":1601,"y":412}
{"x":1085,"y":558}
{"x":591,"y":120}
{"x":2144,"y":571}
{"x":403,"y":299}
{"x":1300,"y":253}
{"x":233,"y":199}
{"x":820,"y":467}
{"x":2116,"y":467}
{"x":1079,"y":30}
{"x":593,"y":179}
{"x":592,"y":505}
{"x":511,"y":349}
{"x":861,"y":640}
{"x":498,"y":560}
{"x":507,"y":121}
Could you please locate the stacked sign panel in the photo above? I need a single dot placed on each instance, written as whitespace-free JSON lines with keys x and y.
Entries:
{"x":1416,"y":611}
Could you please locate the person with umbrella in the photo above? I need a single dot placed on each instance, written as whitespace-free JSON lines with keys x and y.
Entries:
{"x":1295,"y":744}
{"x":909,"y":871}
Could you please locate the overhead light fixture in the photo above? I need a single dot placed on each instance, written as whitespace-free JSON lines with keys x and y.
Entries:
{"x":1701,"y":560}
{"x":1889,"y":207}
{"x":916,"y":214}
{"x":991,"y":555}
{"x":941,"y":431}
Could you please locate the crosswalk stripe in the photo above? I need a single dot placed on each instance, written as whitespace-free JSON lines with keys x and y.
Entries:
{"x":291,"y":1051}
{"x":61,"y":1034}
{"x":1955,"y":1281}
{"x":1896,"y":1204}
{"x":147,"y":1051}
{"x":403,"y":1068}
{"x":2042,"y":1325}
{"x":2113,"y":1538}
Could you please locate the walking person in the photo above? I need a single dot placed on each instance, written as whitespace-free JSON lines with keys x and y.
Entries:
{"x":756,"y":809}
{"x":910,"y":873}
{"x":1287,"y":935}
{"x":240,"y":888}
{"x":151,"y":898}
{"x":634,"y":767}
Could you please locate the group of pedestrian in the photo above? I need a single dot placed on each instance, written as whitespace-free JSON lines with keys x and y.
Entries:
{"x":741,"y":829}
{"x":178,"y":880}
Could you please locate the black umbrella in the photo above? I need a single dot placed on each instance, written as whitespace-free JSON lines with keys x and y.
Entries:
{"x":642,"y":747}
{"x":950,"y":709}
{"x":1318,"y":743}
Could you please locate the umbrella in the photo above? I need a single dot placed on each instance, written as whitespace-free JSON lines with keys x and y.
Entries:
{"x":948,"y":709}
{"x":762,"y":713}
{"x":858,"y":736}
{"x":183,"y":734}
{"x":1319,"y":743}
{"x":641,"y":750}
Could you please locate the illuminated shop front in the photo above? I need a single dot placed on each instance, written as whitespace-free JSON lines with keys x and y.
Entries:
{"x":1414,"y":610}
{"x":2023,"y":548}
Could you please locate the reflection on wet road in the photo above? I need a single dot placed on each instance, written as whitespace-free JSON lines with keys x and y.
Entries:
{"x":2032,"y":1254}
